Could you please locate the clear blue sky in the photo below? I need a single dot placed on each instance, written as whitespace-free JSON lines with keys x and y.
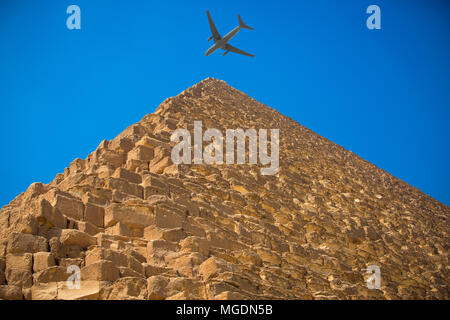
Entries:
{"x":383,"y":94}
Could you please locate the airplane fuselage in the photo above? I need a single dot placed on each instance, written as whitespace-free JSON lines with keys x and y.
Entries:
{"x":220,"y":44}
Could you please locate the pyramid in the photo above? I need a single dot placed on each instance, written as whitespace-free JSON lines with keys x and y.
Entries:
{"x":128,"y":223}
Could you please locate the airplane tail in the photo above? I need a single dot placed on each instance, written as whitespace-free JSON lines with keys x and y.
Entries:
{"x":242,"y":24}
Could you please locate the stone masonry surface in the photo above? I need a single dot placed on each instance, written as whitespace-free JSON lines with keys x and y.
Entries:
{"x":140,"y":227}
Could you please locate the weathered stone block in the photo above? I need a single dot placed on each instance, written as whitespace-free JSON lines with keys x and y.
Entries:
{"x":158,"y":247}
{"x":126,"y":187}
{"x":89,"y":228}
{"x":72,"y":237}
{"x":127,"y":175}
{"x":44,"y":291}
{"x":94,"y":214}
{"x":133,"y":165}
{"x":10,"y":292}
{"x":68,"y":206}
{"x":22,"y":243}
{"x":152,"y":191}
{"x":23,"y":261}
{"x":128,"y":272}
{"x":110,"y":157}
{"x":50,"y":215}
{"x":152,"y":270}
{"x":212,"y":267}
{"x":164,"y":218}
{"x":122,"y":144}
{"x":102,"y":270}
{"x":89,"y":290}
{"x":268,"y":256}
{"x":153,"y":180}
{"x":65,"y":262}
{"x":19,"y":277}
{"x":231,"y":295}
{"x":159,"y":166}
{"x":97,"y":254}
{"x":134,"y":216}
{"x":195,"y":244}
{"x":94,"y":199}
{"x":51,"y":274}
{"x":185,"y":264}
{"x":124,"y":230}
{"x":142,"y":153}
{"x":156,"y":287}
{"x":126,"y":288}
{"x":173,"y":235}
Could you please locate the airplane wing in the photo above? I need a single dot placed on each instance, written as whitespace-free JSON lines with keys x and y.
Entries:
{"x":229,"y":47}
{"x":215,"y":33}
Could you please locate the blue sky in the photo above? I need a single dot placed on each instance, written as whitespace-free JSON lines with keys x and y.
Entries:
{"x":383,"y":94}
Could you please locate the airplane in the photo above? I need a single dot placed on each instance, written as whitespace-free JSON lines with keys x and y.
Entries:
{"x":222,"y":43}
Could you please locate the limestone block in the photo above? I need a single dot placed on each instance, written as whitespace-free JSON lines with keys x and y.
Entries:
{"x":160,"y":246}
{"x":44,"y":291}
{"x":185,"y":264}
{"x":159,"y":166}
{"x":127,"y":175}
{"x":122,"y":144}
{"x":89,"y":290}
{"x":19,"y":277}
{"x":102,"y":270}
{"x":195,"y":244}
{"x":152,"y":191}
{"x":156,"y":287}
{"x":110,"y":157}
{"x":50,"y":215}
{"x":66,"y":262}
{"x":66,"y":205}
{"x":51,"y":274}
{"x":154,"y":181}
{"x":268,"y":256}
{"x":94,"y":214}
{"x":127,"y":272}
{"x":89,"y":228}
{"x":125,"y":289}
{"x":134,"y":216}
{"x":153,"y":270}
{"x":23,"y":261}
{"x":91,"y":198}
{"x":230,"y":295}
{"x":166,"y":218}
{"x":72,"y":237}
{"x":10,"y":292}
{"x":97,"y":254}
{"x":173,"y":235}
{"x":142,"y":153}
{"x":124,"y":230}
{"x":22,"y":243}
{"x":212,"y":267}
{"x":126,"y":187}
